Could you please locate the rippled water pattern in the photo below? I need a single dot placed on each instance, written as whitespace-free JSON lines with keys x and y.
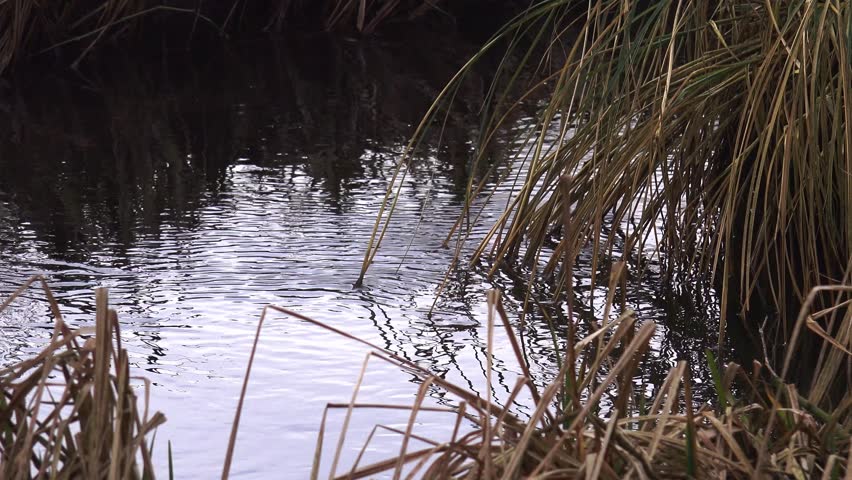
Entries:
{"x":200,"y":194}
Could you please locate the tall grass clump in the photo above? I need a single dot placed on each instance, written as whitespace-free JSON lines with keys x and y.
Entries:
{"x":756,"y":425}
{"x":712,"y":135}
{"x":72,"y":411}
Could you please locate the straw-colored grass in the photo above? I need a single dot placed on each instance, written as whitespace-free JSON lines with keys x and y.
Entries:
{"x":713,"y":135}
{"x":72,"y":410}
{"x":757,"y":427}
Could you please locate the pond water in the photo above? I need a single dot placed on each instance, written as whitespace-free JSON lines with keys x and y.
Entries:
{"x":200,"y":190}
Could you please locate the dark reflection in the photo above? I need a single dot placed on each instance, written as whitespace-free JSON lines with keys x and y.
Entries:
{"x":686,"y":313}
{"x":105,"y":157}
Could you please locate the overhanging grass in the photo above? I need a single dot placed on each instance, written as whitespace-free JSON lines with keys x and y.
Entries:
{"x":713,"y":134}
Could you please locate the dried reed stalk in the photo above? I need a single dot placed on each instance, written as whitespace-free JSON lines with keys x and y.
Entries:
{"x":72,"y":411}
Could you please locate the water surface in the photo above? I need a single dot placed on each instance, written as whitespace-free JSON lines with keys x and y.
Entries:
{"x":203,"y":189}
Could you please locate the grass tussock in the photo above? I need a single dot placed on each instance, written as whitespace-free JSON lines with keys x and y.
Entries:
{"x":757,"y":426}
{"x":72,"y":410}
{"x":714,"y":135}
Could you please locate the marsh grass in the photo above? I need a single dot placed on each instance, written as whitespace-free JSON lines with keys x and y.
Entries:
{"x":758,"y":426}
{"x":72,"y":411}
{"x":711,"y":135}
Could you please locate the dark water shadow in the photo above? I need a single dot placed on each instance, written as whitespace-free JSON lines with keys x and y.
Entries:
{"x":101,"y":158}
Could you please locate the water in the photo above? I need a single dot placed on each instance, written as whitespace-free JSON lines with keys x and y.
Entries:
{"x":201,"y":190}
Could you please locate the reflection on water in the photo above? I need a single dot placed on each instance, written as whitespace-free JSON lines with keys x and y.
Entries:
{"x":203,"y":189}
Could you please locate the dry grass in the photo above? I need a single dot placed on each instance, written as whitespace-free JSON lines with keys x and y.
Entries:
{"x":713,"y":135}
{"x":759,"y":426}
{"x":71,"y":411}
